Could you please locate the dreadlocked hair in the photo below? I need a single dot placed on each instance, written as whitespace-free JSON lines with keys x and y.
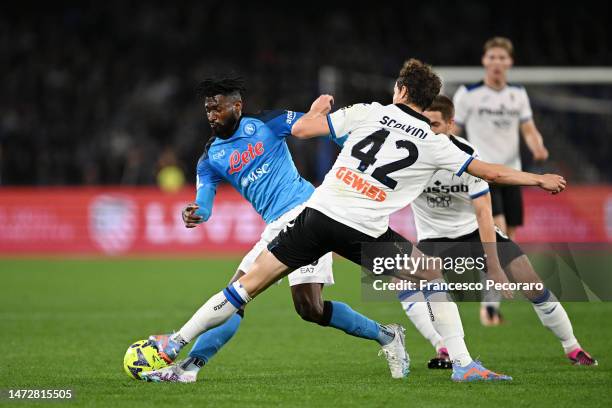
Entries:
{"x":223,"y":86}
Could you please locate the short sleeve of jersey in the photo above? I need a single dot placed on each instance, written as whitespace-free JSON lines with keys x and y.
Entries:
{"x":206,"y":174}
{"x":345,"y":119}
{"x":462,"y":108}
{"x":526,"y":113}
{"x":280,"y":121}
{"x":476,"y":186}
{"x":449,"y":157}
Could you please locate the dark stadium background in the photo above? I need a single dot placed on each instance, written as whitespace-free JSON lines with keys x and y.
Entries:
{"x":97,"y":93}
{"x":99,"y":124}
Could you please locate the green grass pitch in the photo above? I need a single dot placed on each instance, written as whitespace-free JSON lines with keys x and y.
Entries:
{"x":67,"y":324}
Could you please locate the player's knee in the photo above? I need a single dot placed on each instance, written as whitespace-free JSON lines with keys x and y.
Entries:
{"x":310,"y":310}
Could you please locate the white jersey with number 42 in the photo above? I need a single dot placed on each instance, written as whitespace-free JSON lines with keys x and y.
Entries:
{"x":388,"y":155}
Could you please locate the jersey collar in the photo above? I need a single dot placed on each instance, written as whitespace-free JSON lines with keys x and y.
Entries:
{"x":412,"y":112}
{"x":494,"y":89}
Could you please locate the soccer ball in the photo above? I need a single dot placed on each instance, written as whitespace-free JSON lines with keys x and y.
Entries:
{"x":140,"y":357}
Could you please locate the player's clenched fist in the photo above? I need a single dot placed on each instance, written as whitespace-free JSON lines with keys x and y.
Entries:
{"x":553,"y":183}
{"x":190,"y":218}
{"x":322,"y":104}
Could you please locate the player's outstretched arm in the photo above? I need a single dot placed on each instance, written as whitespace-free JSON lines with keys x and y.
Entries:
{"x":200,"y":211}
{"x":499,"y":174}
{"x":314,"y":122}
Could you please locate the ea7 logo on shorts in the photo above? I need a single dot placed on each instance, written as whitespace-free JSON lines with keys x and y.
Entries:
{"x":309,"y":268}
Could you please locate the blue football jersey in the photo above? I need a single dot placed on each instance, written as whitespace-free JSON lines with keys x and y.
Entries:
{"x":256,"y":161}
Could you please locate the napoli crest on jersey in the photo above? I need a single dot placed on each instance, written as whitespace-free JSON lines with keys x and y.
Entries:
{"x":250,"y":129}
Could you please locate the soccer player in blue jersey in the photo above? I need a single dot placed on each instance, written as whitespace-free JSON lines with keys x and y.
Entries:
{"x":251,"y":153}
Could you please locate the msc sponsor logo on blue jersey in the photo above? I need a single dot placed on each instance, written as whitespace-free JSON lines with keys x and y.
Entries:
{"x":255,"y":175}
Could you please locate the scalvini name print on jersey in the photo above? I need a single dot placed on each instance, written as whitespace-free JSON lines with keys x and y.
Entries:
{"x":388,"y":155}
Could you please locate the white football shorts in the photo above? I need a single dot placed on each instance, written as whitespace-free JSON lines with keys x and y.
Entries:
{"x":317,"y":272}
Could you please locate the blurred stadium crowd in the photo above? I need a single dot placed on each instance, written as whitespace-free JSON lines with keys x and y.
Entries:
{"x":103,"y":92}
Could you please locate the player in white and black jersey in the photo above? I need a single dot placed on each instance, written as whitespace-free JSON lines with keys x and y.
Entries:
{"x":492,"y":113}
{"x":389,"y":154}
{"x":453,"y":219}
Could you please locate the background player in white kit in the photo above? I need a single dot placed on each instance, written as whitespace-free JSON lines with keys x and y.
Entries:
{"x":490,"y":115}
{"x":389,"y":155}
{"x":453,"y":218}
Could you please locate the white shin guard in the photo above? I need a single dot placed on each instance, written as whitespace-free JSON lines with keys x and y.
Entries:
{"x":554,"y":317}
{"x":416,"y":309}
{"x":213,"y":313}
{"x":447,"y":322}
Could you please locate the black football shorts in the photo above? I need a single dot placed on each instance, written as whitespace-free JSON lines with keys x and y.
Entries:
{"x":313,"y":234}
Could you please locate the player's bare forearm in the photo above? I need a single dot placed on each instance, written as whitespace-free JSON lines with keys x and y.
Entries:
{"x":488,"y":237}
{"x":484,"y":217}
{"x":486,"y":226}
{"x":314,"y":122}
{"x":499,"y":174}
{"x":534,"y":140}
